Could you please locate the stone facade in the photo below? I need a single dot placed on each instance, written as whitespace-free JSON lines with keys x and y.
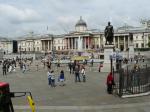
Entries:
{"x":82,"y":39}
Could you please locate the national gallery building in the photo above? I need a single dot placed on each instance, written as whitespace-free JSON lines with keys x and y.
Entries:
{"x":81,"y":39}
{"x":84,"y":39}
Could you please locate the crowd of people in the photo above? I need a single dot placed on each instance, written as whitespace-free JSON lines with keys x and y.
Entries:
{"x":9,"y":65}
{"x":74,"y":68}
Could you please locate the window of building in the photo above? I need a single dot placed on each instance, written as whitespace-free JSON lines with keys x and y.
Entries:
{"x":142,"y":44}
{"x":136,"y":37}
{"x":58,"y":47}
{"x":37,"y":48}
{"x":137,"y":45}
{"x":58,"y":41}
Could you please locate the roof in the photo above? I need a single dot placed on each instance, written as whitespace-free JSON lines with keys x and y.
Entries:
{"x":81,"y":22}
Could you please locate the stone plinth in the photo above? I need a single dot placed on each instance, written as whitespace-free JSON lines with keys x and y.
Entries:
{"x":108,"y":50}
{"x":131,"y":51}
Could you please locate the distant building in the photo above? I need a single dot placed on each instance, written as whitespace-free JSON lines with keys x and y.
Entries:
{"x":6,"y":45}
{"x":81,"y":39}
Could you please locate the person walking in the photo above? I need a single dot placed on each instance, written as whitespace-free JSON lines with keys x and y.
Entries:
{"x":110,"y":83}
{"x":52,"y":79}
{"x":62,"y":78}
{"x":70,"y":67}
{"x":49,"y":77}
{"x":23,"y":68}
{"x":83,"y":74}
{"x":4,"y":69}
{"x":77,"y":73}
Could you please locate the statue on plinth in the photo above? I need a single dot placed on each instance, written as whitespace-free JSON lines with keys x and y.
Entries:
{"x":109,"y":34}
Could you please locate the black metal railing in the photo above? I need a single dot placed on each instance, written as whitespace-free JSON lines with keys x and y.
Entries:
{"x":132,"y":79}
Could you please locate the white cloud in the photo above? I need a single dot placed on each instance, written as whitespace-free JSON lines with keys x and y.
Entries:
{"x":16,"y":15}
{"x":62,"y":15}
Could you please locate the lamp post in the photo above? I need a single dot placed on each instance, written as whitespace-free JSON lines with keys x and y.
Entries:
{"x":53,"y":55}
{"x":111,"y":62}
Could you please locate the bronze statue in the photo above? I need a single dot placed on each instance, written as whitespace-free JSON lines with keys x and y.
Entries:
{"x":109,"y":34}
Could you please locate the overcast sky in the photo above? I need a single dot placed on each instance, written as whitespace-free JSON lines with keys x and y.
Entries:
{"x":19,"y":17}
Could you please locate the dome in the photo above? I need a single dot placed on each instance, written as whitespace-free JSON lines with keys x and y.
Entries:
{"x":81,"y":22}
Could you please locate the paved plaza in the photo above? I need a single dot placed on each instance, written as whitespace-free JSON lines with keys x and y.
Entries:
{"x":90,"y":96}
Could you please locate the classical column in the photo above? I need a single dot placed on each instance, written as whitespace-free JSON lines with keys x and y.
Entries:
{"x":75,"y":46}
{"x":51,"y":45}
{"x":128,"y":41}
{"x":43,"y":46}
{"x":68,"y":43}
{"x":114,"y":41}
{"x":99,"y":41}
{"x":118,"y":43}
{"x":85,"y":43}
{"x":124,"y":39}
{"x":88,"y":42}
{"x":71,"y":43}
{"x":48,"y":45}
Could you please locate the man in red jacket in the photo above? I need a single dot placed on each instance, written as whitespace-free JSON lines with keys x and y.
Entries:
{"x":110,"y":83}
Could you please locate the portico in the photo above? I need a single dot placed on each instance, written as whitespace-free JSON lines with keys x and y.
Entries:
{"x":78,"y":41}
{"x":46,"y":45}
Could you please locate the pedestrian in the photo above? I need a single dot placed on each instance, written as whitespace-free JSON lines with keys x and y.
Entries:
{"x":99,"y":68}
{"x":23,"y":68}
{"x":110,"y":83}
{"x":52,"y":79}
{"x":143,"y":58}
{"x":83,"y":74}
{"x":70,"y":67}
{"x":49,"y":77}
{"x":92,"y":61}
{"x":62,"y":78}
{"x":4,"y":69}
{"x":10,"y":69}
{"x":77,"y":73}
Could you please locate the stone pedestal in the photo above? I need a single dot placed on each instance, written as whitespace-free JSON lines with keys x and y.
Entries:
{"x":108,"y":50}
{"x":131,"y":51}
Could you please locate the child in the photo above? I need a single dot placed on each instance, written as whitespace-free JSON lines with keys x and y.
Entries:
{"x":62,"y":78}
